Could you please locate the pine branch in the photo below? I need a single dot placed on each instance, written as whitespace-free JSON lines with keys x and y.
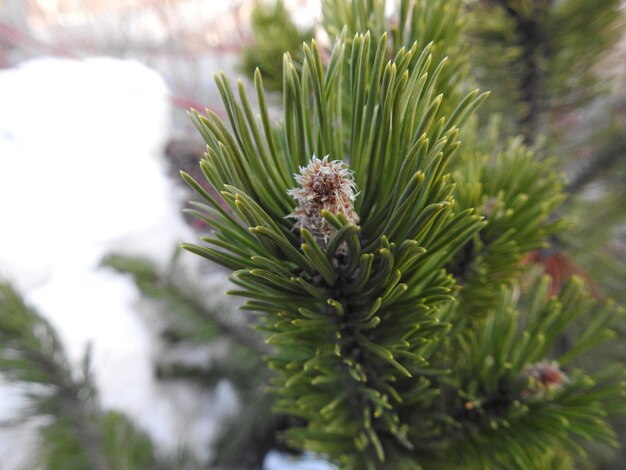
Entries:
{"x":184,"y":300}
{"x":77,"y":433}
{"x":32,"y":353}
{"x":273,"y":34}
{"x":247,"y":437}
{"x":375,"y":351}
{"x":524,"y":393}
{"x":242,"y":335}
{"x":604,"y":159}
{"x":89,"y":434}
{"x":306,"y":295}
{"x":517,"y":195}
{"x":541,"y":57}
{"x":531,"y":81}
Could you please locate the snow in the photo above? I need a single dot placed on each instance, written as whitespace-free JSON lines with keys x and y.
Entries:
{"x":275,"y":460}
{"x":81,"y":175}
{"x":79,"y":170}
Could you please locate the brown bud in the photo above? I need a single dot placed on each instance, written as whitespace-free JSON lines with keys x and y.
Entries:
{"x":544,"y":376}
{"x":324,"y":185}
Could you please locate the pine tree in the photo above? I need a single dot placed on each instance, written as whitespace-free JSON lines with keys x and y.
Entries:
{"x":273,"y":34}
{"x":541,"y":57}
{"x":547,"y":63}
{"x":382,"y":247}
{"x":73,"y":430}
{"x":382,"y":234}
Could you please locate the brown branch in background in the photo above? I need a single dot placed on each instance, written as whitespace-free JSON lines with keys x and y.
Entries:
{"x":608,"y":156}
{"x":531,"y":80}
{"x":240,"y":334}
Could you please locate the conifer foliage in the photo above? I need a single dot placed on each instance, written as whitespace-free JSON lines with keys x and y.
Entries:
{"x":383,"y":253}
{"x":274,"y":33}
{"x":378,"y":233}
{"x":74,"y":432}
{"x":542,"y":56}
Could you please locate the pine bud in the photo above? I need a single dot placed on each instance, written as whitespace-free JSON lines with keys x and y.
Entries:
{"x":327,"y":186}
{"x":544,"y":376}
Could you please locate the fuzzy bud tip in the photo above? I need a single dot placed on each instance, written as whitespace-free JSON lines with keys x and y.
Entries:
{"x":324,"y":185}
{"x":544,"y":376}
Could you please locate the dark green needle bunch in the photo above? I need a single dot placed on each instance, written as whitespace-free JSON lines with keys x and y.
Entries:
{"x":345,"y":226}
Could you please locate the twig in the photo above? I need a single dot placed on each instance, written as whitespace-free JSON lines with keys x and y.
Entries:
{"x":609,"y":155}
{"x":531,"y":78}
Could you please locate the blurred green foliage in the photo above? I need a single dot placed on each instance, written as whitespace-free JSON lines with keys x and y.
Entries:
{"x":274,"y":33}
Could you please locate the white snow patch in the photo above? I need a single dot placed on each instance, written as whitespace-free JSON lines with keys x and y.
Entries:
{"x":275,"y":460}
{"x":79,"y":170}
{"x":81,"y":175}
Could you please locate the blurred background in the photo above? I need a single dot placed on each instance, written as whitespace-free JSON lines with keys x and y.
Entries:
{"x":93,"y":132}
{"x":184,"y":41}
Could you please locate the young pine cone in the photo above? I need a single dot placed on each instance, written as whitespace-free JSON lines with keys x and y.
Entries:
{"x":324,"y":185}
